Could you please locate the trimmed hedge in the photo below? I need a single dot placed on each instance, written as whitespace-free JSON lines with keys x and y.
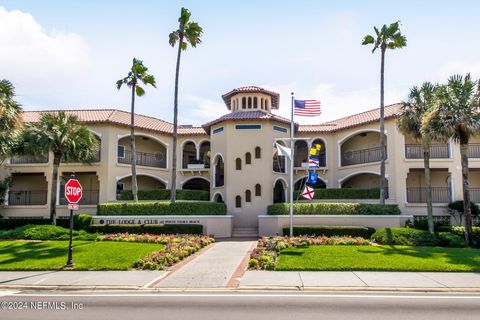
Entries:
{"x":460,"y":231}
{"x":150,"y":229}
{"x":80,"y":221}
{"x":320,"y":208}
{"x":45,"y":232}
{"x":344,"y":193}
{"x":330,"y":231}
{"x":421,"y":222}
{"x":415,"y":237}
{"x":161,"y":208}
{"x":164,"y":194}
{"x":458,"y":206}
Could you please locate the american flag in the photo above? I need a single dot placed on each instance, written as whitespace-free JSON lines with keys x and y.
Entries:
{"x":307,"y":108}
{"x":313,"y":163}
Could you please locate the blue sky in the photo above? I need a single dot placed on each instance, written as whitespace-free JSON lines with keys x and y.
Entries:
{"x":68,"y":54}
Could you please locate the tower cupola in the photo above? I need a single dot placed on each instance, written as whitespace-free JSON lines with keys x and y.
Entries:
{"x":251,"y":98}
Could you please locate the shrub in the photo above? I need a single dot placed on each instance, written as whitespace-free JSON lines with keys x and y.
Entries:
{"x":460,"y":231}
{"x":44,"y":232}
{"x":161,"y":208}
{"x":164,"y":194}
{"x":150,"y":229}
{"x":344,"y":193}
{"x":320,"y":208}
{"x":82,"y":221}
{"x":458,"y":206}
{"x":448,"y":239}
{"x":12,"y":223}
{"x":330,"y":231}
{"x":421,"y":222}
{"x":405,"y":237}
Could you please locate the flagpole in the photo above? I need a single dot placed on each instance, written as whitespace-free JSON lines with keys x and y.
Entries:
{"x":292,"y":145}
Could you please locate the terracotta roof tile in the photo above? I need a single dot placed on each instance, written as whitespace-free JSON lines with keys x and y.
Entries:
{"x":252,"y":89}
{"x":246,"y":116}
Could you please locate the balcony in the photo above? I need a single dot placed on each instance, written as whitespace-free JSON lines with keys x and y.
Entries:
{"x":437,"y":151}
{"x":27,"y":198}
{"x":96,"y":158}
{"x":26,"y":159}
{"x":418,"y":195}
{"x":474,"y":150}
{"x":156,"y":160}
{"x":361,"y":156}
{"x":88,"y":197}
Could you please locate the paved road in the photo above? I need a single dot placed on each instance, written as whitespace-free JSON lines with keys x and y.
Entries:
{"x":232,"y":306}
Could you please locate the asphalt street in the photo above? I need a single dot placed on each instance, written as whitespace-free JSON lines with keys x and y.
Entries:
{"x":239,"y":305}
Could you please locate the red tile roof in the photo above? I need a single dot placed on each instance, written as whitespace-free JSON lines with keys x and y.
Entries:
{"x":118,"y":117}
{"x":252,"y":89}
{"x":352,"y":121}
{"x":246,"y":116}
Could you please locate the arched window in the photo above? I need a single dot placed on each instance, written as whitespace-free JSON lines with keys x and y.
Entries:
{"x":248,"y":196}
{"x":238,"y":202}
{"x":266,"y":104}
{"x":249,"y":102}
{"x":219,"y":172}
{"x":261,"y":103}
{"x":255,"y":103}
{"x":248,"y":158}
{"x":258,"y":153}
{"x":238,"y":164}
{"x":258,"y":190}
{"x":244,"y":103}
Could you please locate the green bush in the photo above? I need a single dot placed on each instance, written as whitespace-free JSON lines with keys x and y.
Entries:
{"x":12,"y":223}
{"x":458,"y":206}
{"x":164,"y":194}
{"x":45,"y":232}
{"x":320,"y":208}
{"x":421,"y":222}
{"x":82,"y":221}
{"x":150,"y":229}
{"x":460,"y":231}
{"x":330,"y":231}
{"x":448,"y":239}
{"x":405,"y":237}
{"x":344,"y":193}
{"x":161,"y":208}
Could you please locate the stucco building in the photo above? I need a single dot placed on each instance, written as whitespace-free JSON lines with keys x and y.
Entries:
{"x":233,"y":157}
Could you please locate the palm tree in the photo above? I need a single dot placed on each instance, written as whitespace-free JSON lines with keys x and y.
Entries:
{"x":420,"y":101}
{"x":456,"y":116}
{"x":388,"y":37}
{"x":188,"y":32}
{"x":10,"y":117}
{"x":138,"y":72}
{"x":66,"y":138}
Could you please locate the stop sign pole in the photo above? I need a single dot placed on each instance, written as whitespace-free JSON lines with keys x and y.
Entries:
{"x":73,"y":193}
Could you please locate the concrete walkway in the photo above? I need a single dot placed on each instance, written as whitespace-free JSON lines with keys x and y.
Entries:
{"x":212,"y":269}
{"x":358,"y":279}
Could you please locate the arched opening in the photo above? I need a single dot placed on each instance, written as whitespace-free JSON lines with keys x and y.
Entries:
{"x":300,"y":184}
{"x":196,"y":184}
{"x":218,"y":198}
{"x":238,"y":202}
{"x":244,"y":103}
{"x":266,"y":104}
{"x":301,"y":154}
{"x":279,"y":161}
{"x":363,"y":180}
{"x":205,"y":154}
{"x":238,"y":164}
{"x":144,"y":183}
{"x":258,"y":153}
{"x":255,"y":103}
{"x":149,"y":151}
{"x":279,"y":192}
{"x":248,"y":158}
{"x":248,"y":196}
{"x":322,"y":154}
{"x":363,"y":147}
{"x":249,"y":102}
{"x":258,"y":190}
{"x":261,"y":103}
{"x":219,"y":172}
{"x":189,"y":154}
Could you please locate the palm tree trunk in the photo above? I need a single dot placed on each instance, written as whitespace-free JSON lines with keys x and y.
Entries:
{"x":382,"y":128}
{"x":466,"y":189}
{"x":133,"y":146}
{"x":53,"y":188}
{"x":173,"y":185}
{"x":428,"y":186}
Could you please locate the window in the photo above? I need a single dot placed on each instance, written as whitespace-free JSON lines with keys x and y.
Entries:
{"x":266,"y":104}
{"x":261,"y":103}
{"x":248,"y":196}
{"x":121,"y":151}
{"x":217,"y":130}
{"x":238,"y":164}
{"x":281,"y":129}
{"x":248,"y":126}
{"x":120,"y":188}
{"x":238,"y":202}
{"x":244,"y":103}
{"x":248,"y":158}
{"x":258,"y":153}
{"x":255,"y":103}
{"x":249,"y":102}
{"x":258,"y":190}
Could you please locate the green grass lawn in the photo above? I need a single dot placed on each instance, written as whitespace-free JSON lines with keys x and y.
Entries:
{"x":87,"y":255}
{"x":379,"y":258}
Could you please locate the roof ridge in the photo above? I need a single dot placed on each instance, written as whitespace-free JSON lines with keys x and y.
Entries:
{"x":359,"y":114}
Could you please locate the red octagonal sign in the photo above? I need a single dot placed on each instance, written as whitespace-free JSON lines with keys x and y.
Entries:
{"x":73,"y":191}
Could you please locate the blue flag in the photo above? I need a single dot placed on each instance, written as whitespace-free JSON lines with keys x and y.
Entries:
{"x":312,"y":178}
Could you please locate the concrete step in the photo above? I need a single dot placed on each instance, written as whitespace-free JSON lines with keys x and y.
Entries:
{"x":244,"y":232}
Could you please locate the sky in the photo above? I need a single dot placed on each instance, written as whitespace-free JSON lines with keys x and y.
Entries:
{"x":69,"y":54}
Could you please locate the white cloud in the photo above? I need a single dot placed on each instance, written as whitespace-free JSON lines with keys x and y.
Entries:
{"x":40,"y":62}
{"x":457,"y":67}
{"x":201,"y":110}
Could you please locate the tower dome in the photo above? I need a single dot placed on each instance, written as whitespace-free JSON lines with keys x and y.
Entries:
{"x":251,"y":98}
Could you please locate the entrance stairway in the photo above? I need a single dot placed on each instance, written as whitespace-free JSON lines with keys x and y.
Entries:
{"x":245,"y":233}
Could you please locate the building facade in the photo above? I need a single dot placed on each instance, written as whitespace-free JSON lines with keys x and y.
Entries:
{"x":233,"y":157}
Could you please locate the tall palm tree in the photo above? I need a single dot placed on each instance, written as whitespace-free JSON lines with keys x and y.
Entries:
{"x":10,"y":117}
{"x":138,"y":73}
{"x":388,"y":37}
{"x":456,"y":116}
{"x":66,"y":138}
{"x":188,"y":32}
{"x":420,"y":101}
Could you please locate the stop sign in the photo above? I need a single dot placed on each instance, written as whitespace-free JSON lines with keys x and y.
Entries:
{"x":73,"y":191}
